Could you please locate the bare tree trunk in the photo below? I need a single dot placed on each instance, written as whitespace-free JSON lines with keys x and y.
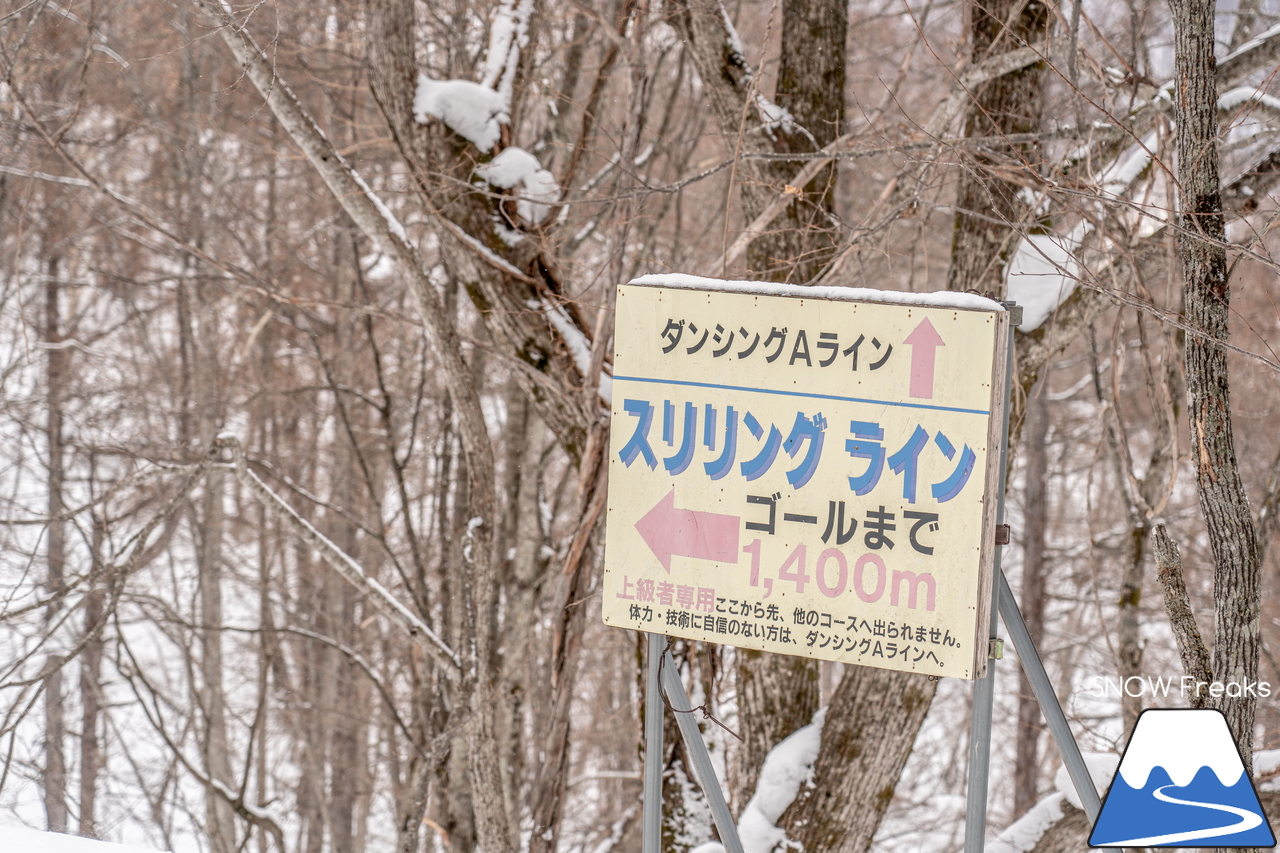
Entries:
{"x":55,"y":770}
{"x":221,"y":819}
{"x":91,"y":688}
{"x":342,"y":711}
{"x":1036,"y":520}
{"x":871,"y":725}
{"x":811,"y":75}
{"x":986,"y":206}
{"x":777,"y":694}
{"x":1236,"y":577}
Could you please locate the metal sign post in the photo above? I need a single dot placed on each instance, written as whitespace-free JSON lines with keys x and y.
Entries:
{"x":663,"y":669}
{"x":652,"y":817}
{"x":984,"y":689}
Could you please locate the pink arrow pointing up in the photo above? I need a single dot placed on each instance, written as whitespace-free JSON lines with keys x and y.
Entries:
{"x":701,"y":535}
{"x":924,"y":341}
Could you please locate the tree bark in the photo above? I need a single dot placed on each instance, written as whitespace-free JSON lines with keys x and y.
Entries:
{"x":1195,"y":657}
{"x":1036,"y":520}
{"x":55,"y":770}
{"x":811,"y":75}
{"x":988,"y":207}
{"x":777,"y":694}
{"x":91,"y":687}
{"x":1232,"y":538}
{"x":870,"y":727}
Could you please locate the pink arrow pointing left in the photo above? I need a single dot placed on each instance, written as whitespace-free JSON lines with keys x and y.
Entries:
{"x":924,"y":341}
{"x":701,"y":535}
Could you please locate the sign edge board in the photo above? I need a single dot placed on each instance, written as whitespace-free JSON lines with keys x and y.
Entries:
{"x":991,"y":501}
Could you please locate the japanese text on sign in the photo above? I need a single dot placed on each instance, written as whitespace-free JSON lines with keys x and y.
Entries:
{"x":804,"y":475}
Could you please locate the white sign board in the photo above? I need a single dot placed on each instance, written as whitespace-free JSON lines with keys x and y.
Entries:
{"x":808,"y":471}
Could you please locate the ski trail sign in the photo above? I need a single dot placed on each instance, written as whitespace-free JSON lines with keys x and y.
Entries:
{"x":808,"y":471}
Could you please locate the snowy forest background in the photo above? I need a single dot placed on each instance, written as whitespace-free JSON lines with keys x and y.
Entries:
{"x":302,"y":422}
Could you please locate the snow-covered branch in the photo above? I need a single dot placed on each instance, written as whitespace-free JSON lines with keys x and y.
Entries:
{"x":351,"y":571}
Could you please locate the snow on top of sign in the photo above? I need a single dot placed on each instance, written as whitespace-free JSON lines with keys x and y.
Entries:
{"x":33,"y":841}
{"x":940,"y":299}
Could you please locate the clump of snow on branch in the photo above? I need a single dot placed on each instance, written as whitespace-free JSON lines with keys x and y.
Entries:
{"x":477,"y":111}
{"x":1245,"y":94}
{"x":1125,"y":169}
{"x":1024,"y":833}
{"x":1266,"y":764}
{"x":474,"y":112}
{"x":788,"y":766}
{"x":1252,"y":44}
{"x":734,"y":40}
{"x":508,"y":34}
{"x":579,"y":349}
{"x":1043,"y":273}
{"x":517,"y":169}
{"x":773,"y":116}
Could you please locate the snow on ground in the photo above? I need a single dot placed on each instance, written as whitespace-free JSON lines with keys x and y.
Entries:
{"x":20,"y":840}
{"x":1102,"y":766}
{"x":940,"y":299}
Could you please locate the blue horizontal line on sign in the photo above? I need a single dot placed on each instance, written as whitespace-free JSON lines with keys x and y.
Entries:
{"x":801,"y":394}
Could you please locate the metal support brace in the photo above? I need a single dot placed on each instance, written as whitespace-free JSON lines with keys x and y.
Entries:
{"x":674,"y":688}
{"x":1047,"y":699}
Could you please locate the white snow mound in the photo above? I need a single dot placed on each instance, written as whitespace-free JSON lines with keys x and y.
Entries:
{"x":470,"y":110}
{"x":22,"y":840}
{"x":788,"y":766}
{"x":1043,"y":273}
{"x":1102,"y":766}
{"x":517,"y":169}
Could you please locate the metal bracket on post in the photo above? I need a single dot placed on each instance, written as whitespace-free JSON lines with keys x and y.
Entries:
{"x":660,"y":662}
